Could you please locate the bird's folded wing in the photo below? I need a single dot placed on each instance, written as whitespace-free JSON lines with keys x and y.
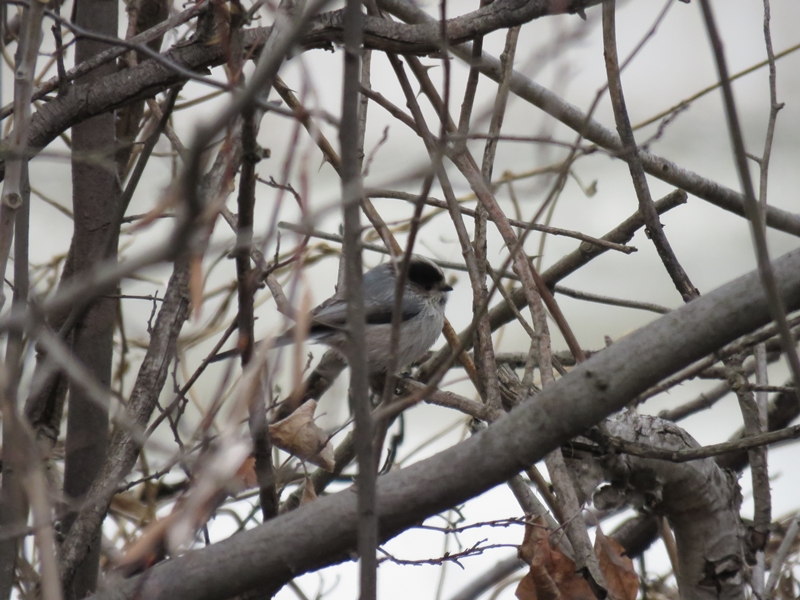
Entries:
{"x":334,"y":315}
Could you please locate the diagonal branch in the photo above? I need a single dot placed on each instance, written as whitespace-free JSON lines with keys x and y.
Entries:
{"x":323,"y":532}
{"x":574,"y":118}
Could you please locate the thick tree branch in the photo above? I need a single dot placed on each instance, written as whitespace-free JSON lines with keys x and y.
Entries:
{"x":700,"y":500}
{"x":323,"y":532}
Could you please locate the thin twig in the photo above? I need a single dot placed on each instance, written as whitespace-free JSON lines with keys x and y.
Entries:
{"x":754,"y":214}
{"x":356,"y":327}
{"x":679,"y":456}
{"x":383,"y":193}
{"x":16,"y":163}
{"x":653,"y":226}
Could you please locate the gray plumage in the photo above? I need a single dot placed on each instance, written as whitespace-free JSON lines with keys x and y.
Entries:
{"x":424,"y":298}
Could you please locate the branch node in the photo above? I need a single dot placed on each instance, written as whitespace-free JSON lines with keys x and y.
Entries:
{"x":13,"y":200}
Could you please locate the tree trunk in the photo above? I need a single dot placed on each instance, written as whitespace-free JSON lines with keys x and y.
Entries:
{"x":95,"y":201}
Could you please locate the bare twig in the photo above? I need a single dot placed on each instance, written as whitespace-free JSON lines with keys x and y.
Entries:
{"x":357,"y":352}
{"x":687,"y":101}
{"x":746,"y":443}
{"x":114,"y":52}
{"x":754,"y":214}
{"x":24,"y":73}
{"x":631,"y":153}
{"x":382,"y":193}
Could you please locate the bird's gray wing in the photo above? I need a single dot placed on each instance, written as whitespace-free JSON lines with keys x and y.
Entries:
{"x":378,"y":305}
{"x":331,"y":314}
{"x":378,"y":314}
{"x":378,"y":284}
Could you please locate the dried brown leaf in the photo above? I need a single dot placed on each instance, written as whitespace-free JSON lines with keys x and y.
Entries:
{"x":622,"y":581}
{"x":570,"y":583}
{"x":309,"y":495}
{"x":536,"y":532}
{"x":553,"y":575}
{"x":526,"y":590}
{"x":299,"y":435}
{"x":246,"y":478}
{"x":537,"y":584}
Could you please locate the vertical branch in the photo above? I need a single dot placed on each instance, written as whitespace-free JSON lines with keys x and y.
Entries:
{"x":484,"y":351}
{"x":13,"y":508}
{"x":257,"y":421}
{"x":468,"y":102}
{"x":96,"y":194}
{"x":762,"y":499}
{"x":16,"y":164}
{"x":757,"y":223}
{"x":246,"y":283}
{"x":44,"y":533}
{"x":351,"y":200}
{"x":22,"y":457}
{"x":762,"y":516}
{"x":142,"y":15}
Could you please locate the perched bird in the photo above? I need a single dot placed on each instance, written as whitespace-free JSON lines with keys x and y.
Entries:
{"x":424,"y":298}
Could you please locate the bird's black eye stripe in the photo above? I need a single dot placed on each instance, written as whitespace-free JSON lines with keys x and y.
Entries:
{"x":424,"y":274}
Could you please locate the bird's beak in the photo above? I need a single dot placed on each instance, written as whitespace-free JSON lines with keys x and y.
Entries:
{"x":447,"y":288}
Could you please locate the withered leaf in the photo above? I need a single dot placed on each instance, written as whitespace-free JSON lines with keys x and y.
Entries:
{"x":309,"y":495}
{"x":622,"y":581}
{"x":245,"y":476}
{"x":299,"y":435}
{"x":536,"y":532}
{"x":553,"y":575}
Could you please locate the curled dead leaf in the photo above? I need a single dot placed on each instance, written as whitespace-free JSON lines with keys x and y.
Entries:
{"x":299,"y":435}
{"x":552,"y":575}
{"x":246,"y":478}
{"x":309,"y":495}
{"x":622,"y":581}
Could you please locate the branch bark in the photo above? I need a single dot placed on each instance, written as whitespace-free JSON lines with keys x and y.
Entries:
{"x":700,"y":501}
{"x":323,"y":532}
{"x":95,"y":197}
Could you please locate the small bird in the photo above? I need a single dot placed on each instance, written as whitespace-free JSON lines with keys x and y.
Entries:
{"x":424,"y":299}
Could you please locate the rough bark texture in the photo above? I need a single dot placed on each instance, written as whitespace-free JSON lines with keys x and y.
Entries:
{"x":700,"y":500}
{"x":95,"y":197}
{"x":126,"y":443}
